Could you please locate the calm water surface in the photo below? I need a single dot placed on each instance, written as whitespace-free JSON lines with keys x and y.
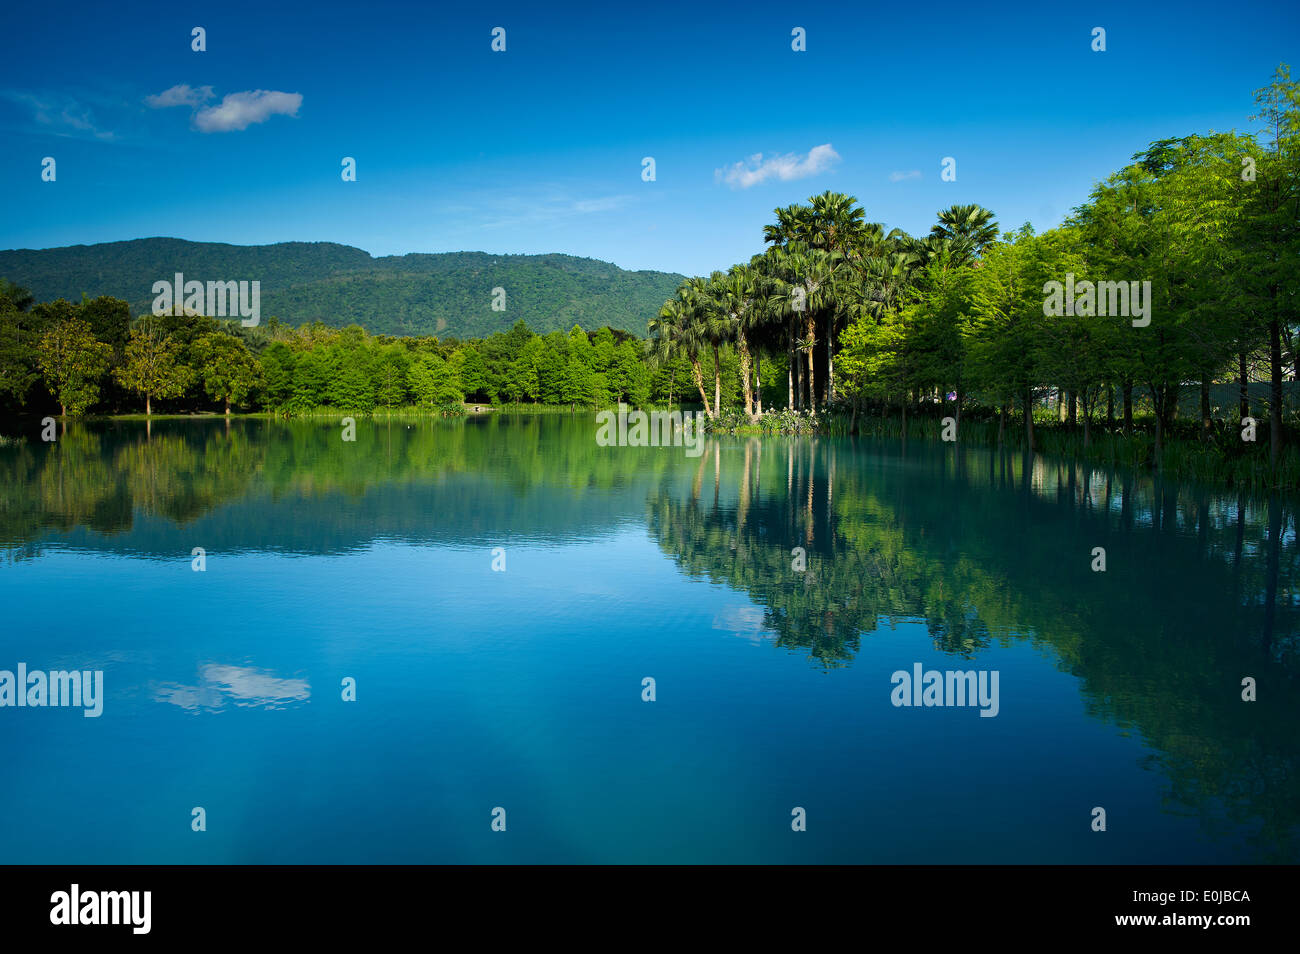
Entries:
{"x":522,"y":689}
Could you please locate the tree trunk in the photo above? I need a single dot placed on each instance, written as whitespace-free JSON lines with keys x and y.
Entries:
{"x":1207,"y":425}
{"x":1072,"y":413}
{"x":1158,"y":400}
{"x":758,"y":383}
{"x":1027,"y":402}
{"x":796,"y":362}
{"x":717,"y":380}
{"x":698,"y":373}
{"x":789,"y":381}
{"x":1128,"y":407}
{"x":812,"y":374}
{"x":148,"y":410}
{"x":1245,"y":380}
{"x":743,"y":348}
{"x":227,"y":407}
{"x":1110,"y":406}
{"x":800,"y":396}
{"x":830,"y":371}
{"x":1002,"y":422}
{"x":1275,"y":391}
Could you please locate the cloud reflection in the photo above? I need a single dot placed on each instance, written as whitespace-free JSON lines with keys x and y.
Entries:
{"x":238,"y":685}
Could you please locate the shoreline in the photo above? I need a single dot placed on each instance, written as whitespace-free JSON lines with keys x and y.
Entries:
{"x":1220,"y":464}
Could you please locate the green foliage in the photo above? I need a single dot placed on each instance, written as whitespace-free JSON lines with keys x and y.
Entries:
{"x":836,"y":322}
{"x":229,"y":372}
{"x":420,"y":294}
{"x":435,"y":383}
{"x":73,"y":363}
{"x":152,"y":365}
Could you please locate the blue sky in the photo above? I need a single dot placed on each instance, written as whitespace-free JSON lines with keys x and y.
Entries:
{"x":539,"y":148}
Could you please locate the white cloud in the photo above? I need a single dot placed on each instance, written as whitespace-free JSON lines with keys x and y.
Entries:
{"x":59,"y":114}
{"x":181,"y":94}
{"x":900,"y":176}
{"x":610,"y":203}
{"x":541,"y":208}
{"x":756,"y":169}
{"x":241,"y":110}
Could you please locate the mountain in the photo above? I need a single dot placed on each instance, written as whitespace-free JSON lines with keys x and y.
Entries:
{"x":447,"y":294}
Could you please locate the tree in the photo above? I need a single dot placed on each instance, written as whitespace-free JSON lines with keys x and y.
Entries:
{"x":807,"y":291}
{"x":152,"y":366}
{"x":435,"y":382}
{"x":16,"y":295}
{"x":939,"y":329}
{"x":351,"y":388}
{"x":1008,"y":320}
{"x":73,"y":363}
{"x":473,"y":370}
{"x":1272,"y":256}
{"x":227,"y":368}
{"x":676,"y":332}
{"x":311,"y":378}
{"x":968,"y":228}
{"x":277,"y":363}
{"x":579,"y":382}
{"x":874,"y":362}
{"x":391,"y":372}
{"x":18,"y":372}
{"x":109,"y":319}
{"x":737,"y":300}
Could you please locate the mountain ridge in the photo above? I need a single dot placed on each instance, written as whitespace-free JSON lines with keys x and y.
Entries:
{"x":418,"y":293}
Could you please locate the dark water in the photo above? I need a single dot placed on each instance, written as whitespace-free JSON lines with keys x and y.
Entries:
{"x":521,"y":689}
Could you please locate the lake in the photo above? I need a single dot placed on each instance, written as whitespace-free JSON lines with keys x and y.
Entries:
{"x":494,"y":593}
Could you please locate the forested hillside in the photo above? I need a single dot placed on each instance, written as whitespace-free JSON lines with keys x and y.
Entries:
{"x":448,"y":294}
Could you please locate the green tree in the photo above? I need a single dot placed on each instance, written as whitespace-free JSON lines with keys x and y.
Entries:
{"x":1008,"y":320}
{"x":228,"y":370}
{"x":435,"y":382}
{"x":277,"y":363}
{"x":152,"y":365}
{"x":73,"y":363}
{"x":18,"y":371}
{"x":391,"y":372}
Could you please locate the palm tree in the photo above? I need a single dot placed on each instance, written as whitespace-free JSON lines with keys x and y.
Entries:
{"x":883,"y":285}
{"x":840,"y":228}
{"x":738,"y":296}
{"x":675,"y":330}
{"x":921,"y":252}
{"x":807,"y":275}
{"x":792,"y":225}
{"x":837,"y":223}
{"x":712,"y":324}
{"x":970,"y":229}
